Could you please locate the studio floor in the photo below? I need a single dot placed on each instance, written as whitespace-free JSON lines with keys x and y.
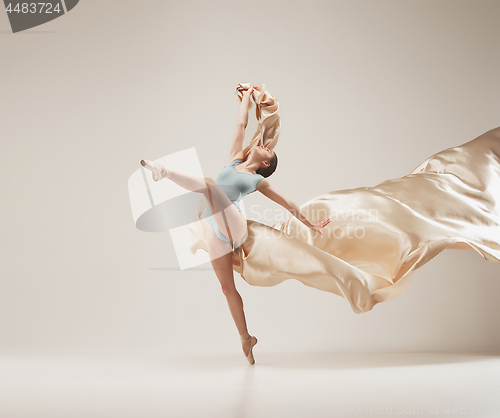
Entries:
{"x":72,"y":385}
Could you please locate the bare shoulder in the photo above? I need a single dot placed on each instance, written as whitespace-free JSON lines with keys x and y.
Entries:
{"x":263,"y":184}
{"x":235,"y":156}
{"x":269,"y":191}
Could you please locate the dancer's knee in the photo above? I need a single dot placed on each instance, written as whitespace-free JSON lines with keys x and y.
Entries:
{"x":229,"y":290}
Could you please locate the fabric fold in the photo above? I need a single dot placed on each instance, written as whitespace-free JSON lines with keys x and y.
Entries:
{"x":267,"y":114}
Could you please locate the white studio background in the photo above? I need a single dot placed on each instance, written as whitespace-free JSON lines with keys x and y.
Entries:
{"x":367,"y":89}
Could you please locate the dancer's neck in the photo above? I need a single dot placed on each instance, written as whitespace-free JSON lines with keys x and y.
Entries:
{"x":249,"y":167}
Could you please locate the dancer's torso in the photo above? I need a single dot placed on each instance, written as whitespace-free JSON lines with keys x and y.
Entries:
{"x":235,"y":184}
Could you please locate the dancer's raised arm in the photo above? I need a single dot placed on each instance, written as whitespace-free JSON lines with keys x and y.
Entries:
{"x":267,"y":190}
{"x":239,"y":137}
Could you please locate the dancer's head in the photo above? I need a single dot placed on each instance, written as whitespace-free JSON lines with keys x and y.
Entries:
{"x":266,"y":158}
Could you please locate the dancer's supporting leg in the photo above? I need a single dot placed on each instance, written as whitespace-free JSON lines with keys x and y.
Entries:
{"x":223,"y":267}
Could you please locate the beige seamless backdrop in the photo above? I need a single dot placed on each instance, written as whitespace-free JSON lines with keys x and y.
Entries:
{"x":367,"y":89}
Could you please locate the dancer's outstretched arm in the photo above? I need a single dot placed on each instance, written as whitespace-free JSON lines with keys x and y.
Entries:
{"x":267,"y":190}
{"x":239,"y":137}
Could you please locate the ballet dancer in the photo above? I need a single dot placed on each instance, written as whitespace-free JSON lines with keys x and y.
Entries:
{"x":228,"y":224}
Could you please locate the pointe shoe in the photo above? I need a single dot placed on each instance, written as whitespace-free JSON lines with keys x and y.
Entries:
{"x":159,"y":171}
{"x":253,"y":340}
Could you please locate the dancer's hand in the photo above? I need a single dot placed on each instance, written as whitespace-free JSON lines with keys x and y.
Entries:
{"x":249,"y":91}
{"x":320,"y":225}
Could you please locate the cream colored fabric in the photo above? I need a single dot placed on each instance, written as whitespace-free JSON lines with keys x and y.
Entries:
{"x":451,"y":200}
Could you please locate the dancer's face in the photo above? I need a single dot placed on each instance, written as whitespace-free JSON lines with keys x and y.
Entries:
{"x":262,"y":153}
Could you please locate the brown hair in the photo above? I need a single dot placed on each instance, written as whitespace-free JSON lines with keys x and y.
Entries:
{"x":267,"y":171}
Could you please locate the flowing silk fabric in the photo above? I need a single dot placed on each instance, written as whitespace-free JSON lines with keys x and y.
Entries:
{"x":267,"y":114}
{"x":378,"y":236}
{"x":451,"y":200}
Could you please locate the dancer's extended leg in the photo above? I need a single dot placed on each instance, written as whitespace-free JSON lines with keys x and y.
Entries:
{"x":231,"y":222}
{"x":187,"y":181}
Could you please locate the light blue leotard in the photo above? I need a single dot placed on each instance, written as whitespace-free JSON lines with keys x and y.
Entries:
{"x":236,"y":185}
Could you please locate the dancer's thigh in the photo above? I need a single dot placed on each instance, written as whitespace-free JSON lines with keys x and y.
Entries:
{"x":216,"y":247}
{"x":222,"y":207}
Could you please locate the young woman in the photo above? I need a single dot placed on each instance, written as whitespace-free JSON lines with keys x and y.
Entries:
{"x":228,"y":225}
